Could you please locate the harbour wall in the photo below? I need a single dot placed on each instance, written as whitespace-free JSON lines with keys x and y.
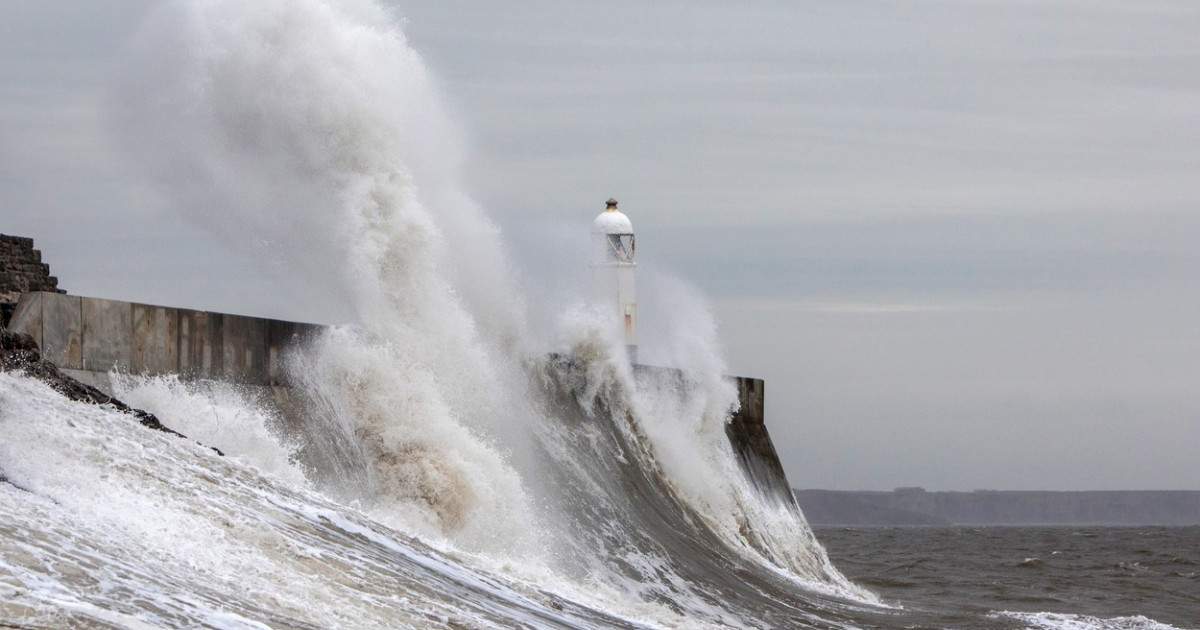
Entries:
{"x":747,"y":433}
{"x":86,"y":337}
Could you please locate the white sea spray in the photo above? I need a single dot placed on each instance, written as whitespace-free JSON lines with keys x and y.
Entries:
{"x":310,"y":135}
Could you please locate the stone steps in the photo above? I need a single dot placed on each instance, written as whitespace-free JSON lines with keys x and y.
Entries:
{"x":21,"y":271}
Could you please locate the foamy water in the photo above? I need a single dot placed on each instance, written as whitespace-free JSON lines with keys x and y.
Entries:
{"x":1066,"y":621}
{"x":107,"y":522}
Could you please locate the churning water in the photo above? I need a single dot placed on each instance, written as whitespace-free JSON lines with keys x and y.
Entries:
{"x":1044,"y":577}
{"x":444,"y":465}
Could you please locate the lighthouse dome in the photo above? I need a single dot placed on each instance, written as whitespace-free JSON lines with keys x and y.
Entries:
{"x":612,"y":221}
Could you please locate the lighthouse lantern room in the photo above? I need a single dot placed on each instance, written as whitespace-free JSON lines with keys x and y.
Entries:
{"x":613,"y":265}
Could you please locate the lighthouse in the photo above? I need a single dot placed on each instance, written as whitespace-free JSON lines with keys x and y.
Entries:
{"x":613,"y":267}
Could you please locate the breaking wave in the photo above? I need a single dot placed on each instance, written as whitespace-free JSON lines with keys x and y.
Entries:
{"x":435,"y":463}
{"x":1064,"y":621}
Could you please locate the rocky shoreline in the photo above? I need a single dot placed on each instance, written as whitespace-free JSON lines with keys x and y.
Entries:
{"x":19,"y":353}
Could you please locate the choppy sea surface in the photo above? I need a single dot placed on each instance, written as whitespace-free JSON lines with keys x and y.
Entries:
{"x":1045,"y":577}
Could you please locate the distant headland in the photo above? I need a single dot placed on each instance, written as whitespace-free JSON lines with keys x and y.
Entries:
{"x":917,"y":506}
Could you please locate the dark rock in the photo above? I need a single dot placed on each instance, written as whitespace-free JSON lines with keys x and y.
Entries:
{"x":19,"y":353}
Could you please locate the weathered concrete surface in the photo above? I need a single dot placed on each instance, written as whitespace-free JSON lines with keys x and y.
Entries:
{"x":107,"y":334}
{"x":199,"y":334}
{"x":62,"y":330}
{"x":92,"y":336}
{"x":747,"y":432}
{"x":155,"y":340}
{"x":27,"y":317}
{"x":142,"y":338}
{"x":245,"y":349}
{"x":55,"y":322}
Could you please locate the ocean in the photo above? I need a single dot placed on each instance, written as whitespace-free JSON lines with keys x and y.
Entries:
{"x":459,"y":455}
{"x":1045,"y":577}
{"x":107,"y":524}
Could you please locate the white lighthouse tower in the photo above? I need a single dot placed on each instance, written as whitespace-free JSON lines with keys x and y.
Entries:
{"x":613,"y":266}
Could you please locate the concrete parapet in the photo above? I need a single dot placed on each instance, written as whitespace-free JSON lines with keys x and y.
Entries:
{"x":245,"y":349}
{"x":90,"y":336}
{"x":155,"y":340}
{"x":200,"y":335}
{"x":107,"y":334}
{"x":27,"y":317}
{"x":62,"y":330}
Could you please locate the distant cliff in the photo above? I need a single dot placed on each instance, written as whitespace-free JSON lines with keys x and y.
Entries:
{"x":916,"y":506}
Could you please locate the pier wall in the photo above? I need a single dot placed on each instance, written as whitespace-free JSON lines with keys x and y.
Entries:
{"x":747,"y":432}
{"x":86,"y":337}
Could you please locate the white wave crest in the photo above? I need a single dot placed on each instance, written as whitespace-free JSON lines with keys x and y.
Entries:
{"x":240,"y":421}
{"x":425,"y":471}
{"x":1068,"y":621}
{"x":310,"y":134}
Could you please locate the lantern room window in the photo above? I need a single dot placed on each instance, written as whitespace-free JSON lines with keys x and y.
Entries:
{"x":621,"y":247}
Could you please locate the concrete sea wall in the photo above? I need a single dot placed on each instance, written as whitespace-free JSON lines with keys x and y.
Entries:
{"x":747,"y":432}
{"x":86,"y":337}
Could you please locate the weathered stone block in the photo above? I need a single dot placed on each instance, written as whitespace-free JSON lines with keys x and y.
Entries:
{"x":155,"y":339}
{"x":27,"y":318}
{"x":22,"y":269}
{"x":62,"y":330}
{"x":107,"y":334}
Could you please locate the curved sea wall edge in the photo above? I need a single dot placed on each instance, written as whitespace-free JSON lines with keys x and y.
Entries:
{"x":86,"y":338}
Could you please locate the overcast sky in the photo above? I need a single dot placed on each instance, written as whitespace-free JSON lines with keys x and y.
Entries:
{"x":958,"y":239}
